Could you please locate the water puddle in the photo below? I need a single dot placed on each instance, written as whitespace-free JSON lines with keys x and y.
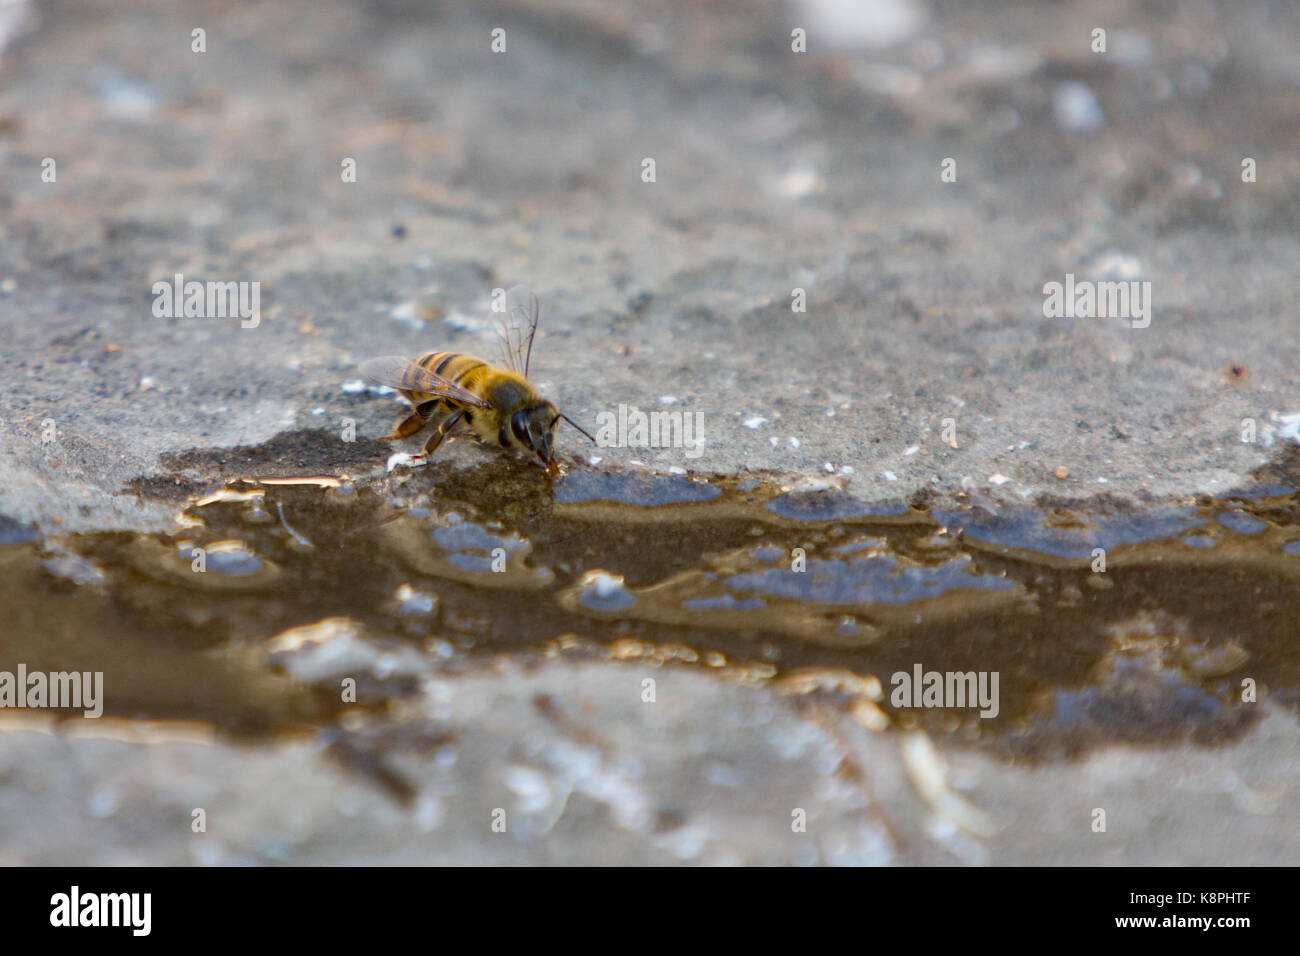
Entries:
{"x":1143,"y":626}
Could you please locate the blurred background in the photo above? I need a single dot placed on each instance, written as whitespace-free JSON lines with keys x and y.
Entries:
{"x":670,"y":177}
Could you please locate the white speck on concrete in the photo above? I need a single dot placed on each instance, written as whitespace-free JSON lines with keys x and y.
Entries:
{"x":1076,"y":108}
{"x":409,"y":461}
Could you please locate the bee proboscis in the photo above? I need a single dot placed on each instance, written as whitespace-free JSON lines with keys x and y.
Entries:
{"x":497,"y":403}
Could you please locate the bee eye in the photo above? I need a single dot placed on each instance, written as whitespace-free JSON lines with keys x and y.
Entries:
{"x":519,"y":425}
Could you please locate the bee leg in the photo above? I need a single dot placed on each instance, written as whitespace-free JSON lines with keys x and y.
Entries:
{"x":413,"y":422}
{"x":407,"y":427}
{"x":444,"y":426}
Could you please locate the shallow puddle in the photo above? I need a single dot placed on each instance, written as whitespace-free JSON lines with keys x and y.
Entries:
{"x":1144,"y":626}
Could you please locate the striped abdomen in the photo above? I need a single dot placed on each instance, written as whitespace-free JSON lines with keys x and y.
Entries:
{"x":463,"y":370}
{"x":506,"y":392}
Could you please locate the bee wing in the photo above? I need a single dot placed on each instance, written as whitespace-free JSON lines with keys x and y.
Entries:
{"x":516,"y":328}
{"x":397,"y":372}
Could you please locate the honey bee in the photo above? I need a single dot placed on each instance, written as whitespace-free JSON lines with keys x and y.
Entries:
{"x":497,"y":403}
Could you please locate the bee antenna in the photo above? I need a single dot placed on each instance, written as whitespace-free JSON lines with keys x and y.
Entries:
{"x":577,"y":426}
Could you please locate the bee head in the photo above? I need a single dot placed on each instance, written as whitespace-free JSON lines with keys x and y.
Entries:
{"x":534,"y":429}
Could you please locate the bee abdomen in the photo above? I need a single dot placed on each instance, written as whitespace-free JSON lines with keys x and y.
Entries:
{"x":452,"y":366}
